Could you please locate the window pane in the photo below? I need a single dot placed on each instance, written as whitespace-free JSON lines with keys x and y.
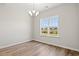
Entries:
{"x":53,"y":26}
{"x":54,"y":21}
{"x":44,"y":26}
{"x":44,"y":23}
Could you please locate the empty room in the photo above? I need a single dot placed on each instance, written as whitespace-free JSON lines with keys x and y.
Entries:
{"x":39,"y":29}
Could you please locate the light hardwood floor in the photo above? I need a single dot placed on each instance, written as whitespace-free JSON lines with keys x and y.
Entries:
{"x":34,"y":48}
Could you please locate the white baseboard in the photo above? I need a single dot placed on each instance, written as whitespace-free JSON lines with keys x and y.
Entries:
{"x":38,"y":41}
{"x":9,"y":45}
{"x":57,"y":45}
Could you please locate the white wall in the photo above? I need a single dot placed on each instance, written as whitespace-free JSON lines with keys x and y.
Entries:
{"x":69,"y":33}
{"x":15,"y":25}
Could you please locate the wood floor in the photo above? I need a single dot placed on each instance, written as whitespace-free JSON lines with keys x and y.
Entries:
{"x":34,"y":48}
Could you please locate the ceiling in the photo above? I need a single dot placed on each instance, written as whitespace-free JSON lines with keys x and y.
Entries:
{"x":30,"y":6}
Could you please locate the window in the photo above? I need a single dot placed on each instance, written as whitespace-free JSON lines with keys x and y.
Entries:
{"x":49,"y":26}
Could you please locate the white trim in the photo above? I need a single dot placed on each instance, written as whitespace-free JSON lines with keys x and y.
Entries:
{"x":57,"y":45}
{"x":38,"y":41}
{"x":9,"y":45}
